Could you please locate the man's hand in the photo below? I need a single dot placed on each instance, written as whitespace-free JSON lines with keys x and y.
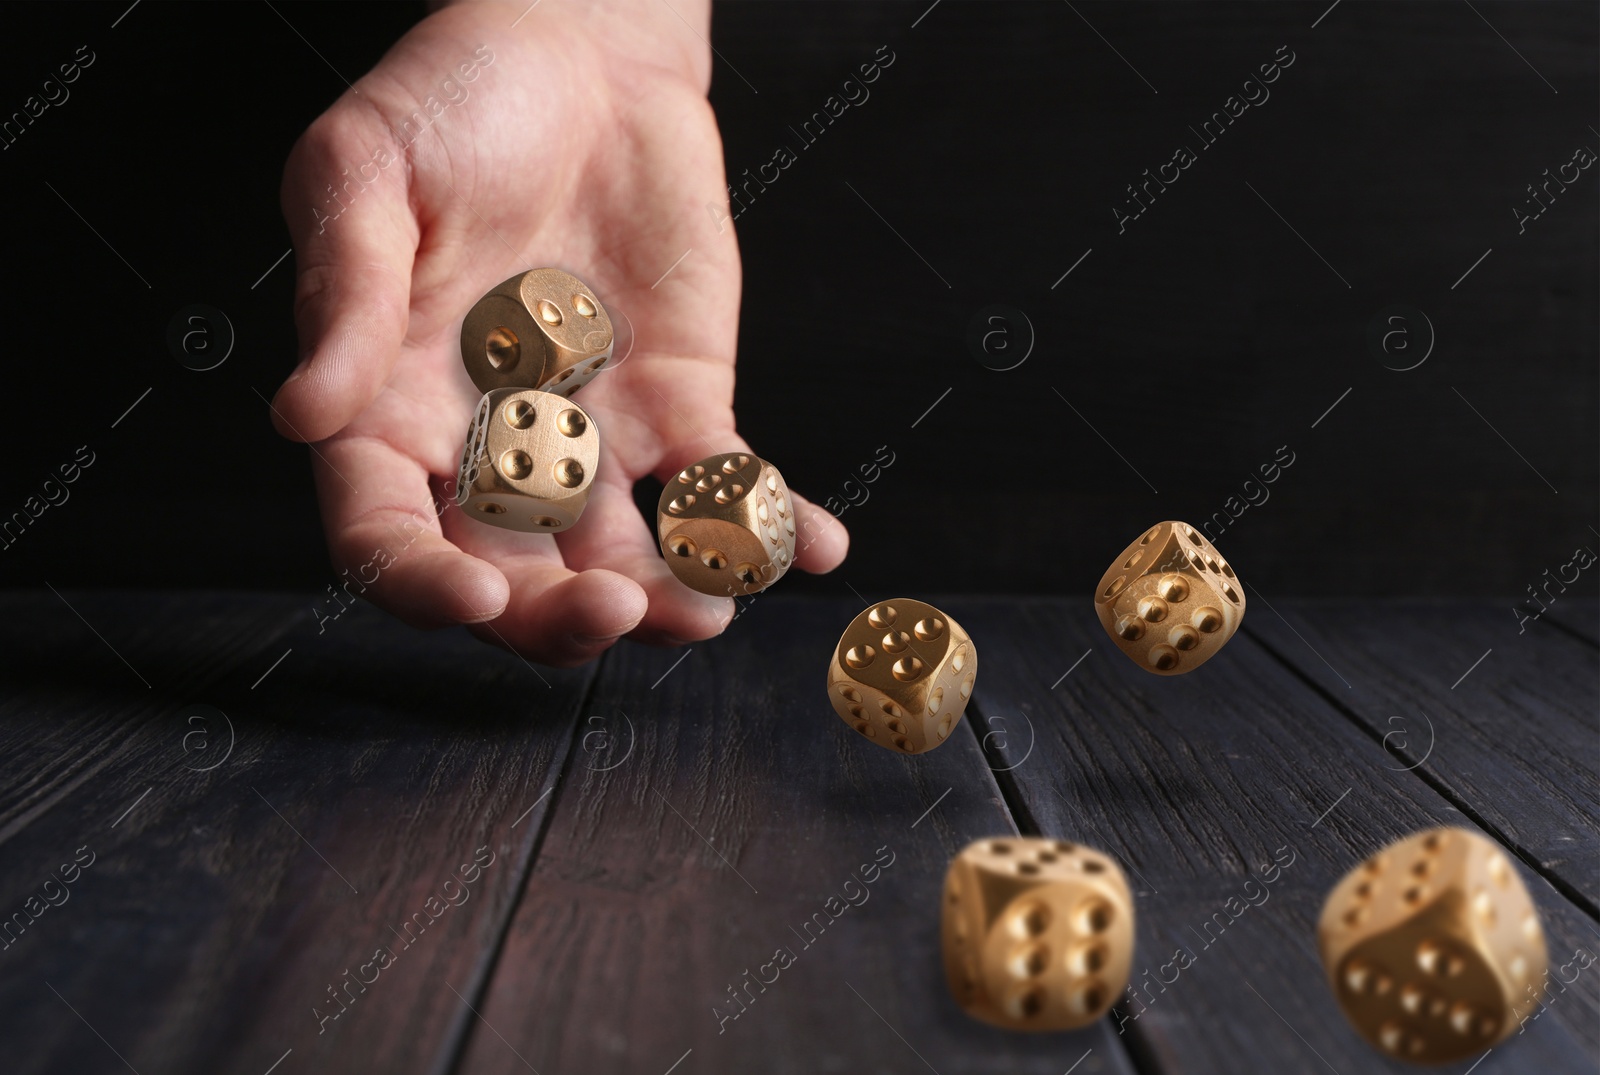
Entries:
{"x":583,"y":141}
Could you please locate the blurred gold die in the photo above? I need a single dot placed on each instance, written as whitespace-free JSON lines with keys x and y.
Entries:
{"x":1170,"y":601}
{"x":540,"y":329}
{"x":1433,"y":947}
{"x":528,"y":461}
{"x":1037,"y":933}
{"x":901,"y":675}
{"x":726,"y":525}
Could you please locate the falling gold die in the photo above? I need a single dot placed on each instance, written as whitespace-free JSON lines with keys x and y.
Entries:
{"x":901,"y":675}
{"x":540,"y":329}
{"x":1433,"y":947}
{"x":528,"y":461}
{"x":1037,"y":934}
{"x":1170,"y":601}
{"x":726,"y":525}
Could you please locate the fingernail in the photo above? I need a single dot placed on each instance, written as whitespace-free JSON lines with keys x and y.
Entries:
{"x":478,"y":617}
{"x":474,"y":615}
{"x":590,"y":640}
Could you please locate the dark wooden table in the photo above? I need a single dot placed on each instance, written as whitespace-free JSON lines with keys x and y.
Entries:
{"x":252,"y":811}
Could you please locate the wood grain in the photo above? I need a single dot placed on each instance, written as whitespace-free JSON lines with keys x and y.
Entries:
{"x":76,"y":675}
{"x":745,"y":806}
{"x":1195,"y":782}
{"x":664,"y":824}
{"x":204,"y":937}
{"x":1580,"y":617}
{"x":1502,"y":721}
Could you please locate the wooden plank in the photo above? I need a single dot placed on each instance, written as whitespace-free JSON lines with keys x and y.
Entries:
{"x":1503,"y":721}
{"x":72,"y":689}
{"x":219,"y":911}
{"x":1579,"y":617}
{"x":1196,"y":783}
{"x":745,"y":805}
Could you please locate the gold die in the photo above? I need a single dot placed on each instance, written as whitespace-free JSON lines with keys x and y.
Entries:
{"x":528,"y":461}
{"x":726,"y":525}
{"x":1170,"y":601}
{"x":1433,"y":947}
{"x":541,"y":329}
{"x":901,"y":675}
{"x":1037,"y":934}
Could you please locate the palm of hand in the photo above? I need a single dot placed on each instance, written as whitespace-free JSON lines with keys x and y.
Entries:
{"x":560,"y":154}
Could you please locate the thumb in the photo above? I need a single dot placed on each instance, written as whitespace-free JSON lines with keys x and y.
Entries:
{"x":355,"y":239}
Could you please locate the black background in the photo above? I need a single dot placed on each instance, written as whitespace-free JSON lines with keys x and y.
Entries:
{"x":1178,"y":356}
